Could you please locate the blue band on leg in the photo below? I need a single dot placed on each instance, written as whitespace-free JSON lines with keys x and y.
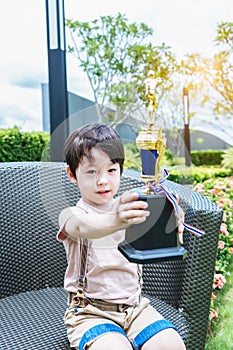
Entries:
{"x":98,"y":330}
{"x":149,"y":331}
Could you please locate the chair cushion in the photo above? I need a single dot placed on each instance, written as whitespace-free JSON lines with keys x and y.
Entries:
{"x":170,"y":313}
{"x":34,"y":320}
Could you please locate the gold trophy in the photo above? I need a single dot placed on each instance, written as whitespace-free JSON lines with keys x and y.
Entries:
{"x":151,"y":140}
{"x":156,"y":239}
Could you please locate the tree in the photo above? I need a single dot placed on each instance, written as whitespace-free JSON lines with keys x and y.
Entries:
{"x":223,"y":66}
{"x":225,"y":34}
{"x":116,"y":57}
{"x":212,"y":78}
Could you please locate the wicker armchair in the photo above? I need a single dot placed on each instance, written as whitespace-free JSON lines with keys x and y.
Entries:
{"x":33,"y":263}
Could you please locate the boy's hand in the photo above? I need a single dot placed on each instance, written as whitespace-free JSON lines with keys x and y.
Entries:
{"x":130,"y":210}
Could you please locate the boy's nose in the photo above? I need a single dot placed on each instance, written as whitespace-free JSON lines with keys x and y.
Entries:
{"x":102,"y":180}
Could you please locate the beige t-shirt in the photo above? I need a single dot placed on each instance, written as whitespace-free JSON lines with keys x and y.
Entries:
{"x":110,"y":276}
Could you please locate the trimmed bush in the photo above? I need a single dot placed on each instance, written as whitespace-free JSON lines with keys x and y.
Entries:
{"x":20,"y":146}
{"x":193,"y":175}
{"x":207,"y":157}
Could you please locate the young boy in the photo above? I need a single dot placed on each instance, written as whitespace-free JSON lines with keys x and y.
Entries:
{"x":106,"y":310}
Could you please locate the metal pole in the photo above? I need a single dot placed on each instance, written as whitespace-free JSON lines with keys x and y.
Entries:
{"x":58,"y":101}
{"x":186,"y":127}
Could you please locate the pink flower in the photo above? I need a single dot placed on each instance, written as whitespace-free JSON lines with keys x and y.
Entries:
{"x":223,"y":229}
{"x":213,"y":296}
{"x":218,"y":188}
{"x":214,"y":191}
{"x":221,"y":245}
{"x":219,"y":281}
{"x":227,"y":201}
{"x":199,"y":188}
{"x":231,"y":250}
{"x":213,"y":314}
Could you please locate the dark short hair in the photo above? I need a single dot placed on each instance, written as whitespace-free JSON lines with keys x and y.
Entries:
{"x":101,"y":136}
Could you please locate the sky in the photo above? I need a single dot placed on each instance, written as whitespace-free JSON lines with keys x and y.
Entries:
{"x":187,"y":26}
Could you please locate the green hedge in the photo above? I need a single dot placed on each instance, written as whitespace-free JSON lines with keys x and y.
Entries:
{"x":206,"y":157}
{"x":20,"y":146}
{"x":193,"y":174}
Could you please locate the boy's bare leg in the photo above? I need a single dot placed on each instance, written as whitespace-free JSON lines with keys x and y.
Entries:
{"x":111,"y":341}
{"x":167,"y":339}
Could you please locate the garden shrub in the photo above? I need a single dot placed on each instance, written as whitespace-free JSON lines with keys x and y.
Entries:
{"x":20,"y":146}
{"x":227,"y":158}
{"x":193,"y":174}
{"x":206,"y":157}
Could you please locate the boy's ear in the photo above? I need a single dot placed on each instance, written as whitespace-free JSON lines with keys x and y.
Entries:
{"x":70,"y":175}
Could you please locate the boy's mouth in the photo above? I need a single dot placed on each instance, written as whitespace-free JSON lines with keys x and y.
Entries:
{"x":103,"y":192}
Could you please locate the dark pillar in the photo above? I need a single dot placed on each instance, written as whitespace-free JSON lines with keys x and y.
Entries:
{"x":186,"y":127}
{"x":58,"y":101}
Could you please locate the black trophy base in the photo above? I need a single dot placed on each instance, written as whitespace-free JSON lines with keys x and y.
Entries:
{"x":151,"y":255}
{"x":156,"y":239}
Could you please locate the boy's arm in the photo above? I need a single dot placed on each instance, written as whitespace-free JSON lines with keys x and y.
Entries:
{"x":127,"y":211}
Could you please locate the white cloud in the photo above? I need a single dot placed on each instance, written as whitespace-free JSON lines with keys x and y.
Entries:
{"x":23,"y":34}
{"x":21,"y":107}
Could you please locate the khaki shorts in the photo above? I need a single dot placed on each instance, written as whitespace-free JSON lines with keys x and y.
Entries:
{"x":138,"y":323}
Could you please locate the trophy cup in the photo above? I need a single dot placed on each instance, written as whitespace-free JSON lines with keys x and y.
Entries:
{"x":156,"y":239}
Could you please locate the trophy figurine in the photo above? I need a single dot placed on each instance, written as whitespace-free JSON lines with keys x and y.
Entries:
{"x":150,"y":84}
{"x":156,"y":239}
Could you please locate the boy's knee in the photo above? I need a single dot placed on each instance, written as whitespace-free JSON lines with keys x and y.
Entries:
{"x":167,"y":339}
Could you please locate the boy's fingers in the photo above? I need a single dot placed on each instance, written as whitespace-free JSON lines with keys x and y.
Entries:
{"x":128,"y":197}
{"x":132,"y":202}
{"x":181,"y":237}
{"x":136,"y":213}
{"x":180,"y":232}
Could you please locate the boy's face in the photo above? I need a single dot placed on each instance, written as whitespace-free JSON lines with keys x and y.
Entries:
{"x":98,"y":178}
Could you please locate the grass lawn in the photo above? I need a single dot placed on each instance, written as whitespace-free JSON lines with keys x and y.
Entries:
{"x":221,"y":337}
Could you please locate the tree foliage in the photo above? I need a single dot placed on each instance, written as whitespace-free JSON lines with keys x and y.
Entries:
{"x":227,"y":161}
{"x":116,"y":56}
{"x":211,"y":79}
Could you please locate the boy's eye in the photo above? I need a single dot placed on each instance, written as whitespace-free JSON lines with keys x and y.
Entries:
{"x":111,"y":170}
{"x":91,"y":171}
